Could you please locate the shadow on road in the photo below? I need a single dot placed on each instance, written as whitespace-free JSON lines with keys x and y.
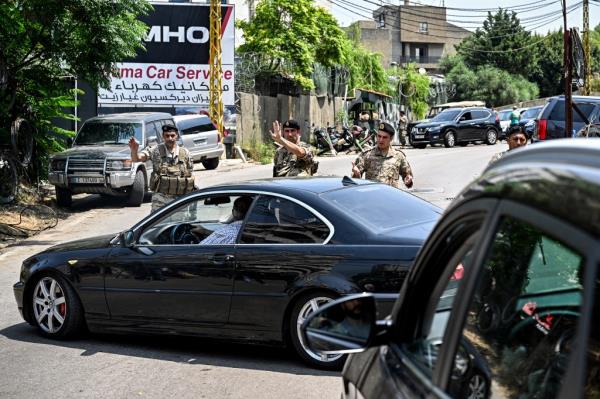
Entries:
{"x":201,"y":352}
{"x":86,"y":202}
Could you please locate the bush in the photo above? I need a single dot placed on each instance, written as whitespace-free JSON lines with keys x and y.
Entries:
{"x":260,"y":152}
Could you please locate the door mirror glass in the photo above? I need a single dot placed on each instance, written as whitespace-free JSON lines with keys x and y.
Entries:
{"x":343,"y":326}
{"x":127,"y":238}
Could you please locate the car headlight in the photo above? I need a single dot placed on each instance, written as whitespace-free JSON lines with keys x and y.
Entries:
{"x":58,"y":164}
{"x":414,"y":130}
{"x":121,"y":164}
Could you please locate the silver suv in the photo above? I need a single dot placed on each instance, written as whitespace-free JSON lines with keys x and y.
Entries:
{"x":200,"y":136}
{"x":99,"y":161}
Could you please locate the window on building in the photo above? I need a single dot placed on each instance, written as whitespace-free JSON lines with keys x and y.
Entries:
{"x":381,"y":21}
{"x":423,"y":27}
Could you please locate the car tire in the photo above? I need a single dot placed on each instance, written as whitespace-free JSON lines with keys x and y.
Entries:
{"x":302,"y":308}
{"x":55,"y":308}
{"x":211,"y":163}
{"x":475,"y":387}
{"x":450,"y":139}
{"x":420,"y":146}
{"x":136,"y":195}
{"x":64,"y":197}
{"x":491,"y":137}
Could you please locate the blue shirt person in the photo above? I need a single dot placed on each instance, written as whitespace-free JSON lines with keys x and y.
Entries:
{"x":228,"y":233}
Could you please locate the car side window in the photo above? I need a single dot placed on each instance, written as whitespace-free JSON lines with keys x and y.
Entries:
{"x":522,"y":318}
{"x":592,"y":381}
{"x":275,"y":220}
{"x":465,"y":117}
{"x":480,"y":114}
{"x":152,"y":133}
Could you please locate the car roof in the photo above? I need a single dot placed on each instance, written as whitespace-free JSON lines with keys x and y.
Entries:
{"x":316,"y":185}
{"x":579,"y":98}
{"x":560,"y":177}
{"x":466,"y":108}
{"x":132,"y":117}
{"x":178,"y":118}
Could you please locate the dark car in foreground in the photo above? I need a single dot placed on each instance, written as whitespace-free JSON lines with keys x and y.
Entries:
{"x":504,"y":298}
{"x":457,"y":126}
{"x":551,"y":122}
{"x":303,"y":242}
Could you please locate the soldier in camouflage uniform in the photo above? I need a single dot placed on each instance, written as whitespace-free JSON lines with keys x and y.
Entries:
{"x":294,"y":157}
{"x":402,"y":126}
{"x":517,"y":137}
{"x":384,"y":163}
{"x":172,"y":167}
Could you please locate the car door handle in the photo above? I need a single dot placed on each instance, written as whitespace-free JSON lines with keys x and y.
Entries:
{"x":222,"y":259}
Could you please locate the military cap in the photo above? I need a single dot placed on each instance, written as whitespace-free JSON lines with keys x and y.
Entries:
{"x":291,"y":124}
{"x":169,"y":127}
{"x":386,"y":127}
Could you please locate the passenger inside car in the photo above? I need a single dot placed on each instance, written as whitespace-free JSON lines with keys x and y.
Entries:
{"x":227,"y":234}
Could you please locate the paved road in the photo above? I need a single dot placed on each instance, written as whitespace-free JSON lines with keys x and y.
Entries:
{"x":158,"y":367}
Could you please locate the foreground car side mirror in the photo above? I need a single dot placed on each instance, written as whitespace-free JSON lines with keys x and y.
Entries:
{"x":347,"y":325}
{"x":127,"y":238}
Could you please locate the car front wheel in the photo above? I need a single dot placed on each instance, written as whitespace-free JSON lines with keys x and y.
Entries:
{"x":56,"y":309}
{"x":450,"y":139}
{"x":304,"y":307}
{"x":211,"y":163}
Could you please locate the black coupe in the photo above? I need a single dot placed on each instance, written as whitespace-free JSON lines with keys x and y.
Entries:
{"x":301,"y":243}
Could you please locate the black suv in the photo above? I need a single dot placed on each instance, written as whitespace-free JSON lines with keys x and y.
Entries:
{"x":458,"y":126}
{"x":503,"y":299}
{"x":551,"y":122}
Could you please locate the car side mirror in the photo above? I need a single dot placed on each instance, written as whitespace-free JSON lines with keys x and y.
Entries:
{"x":69,"y":142}
{"x":347,"y":325}
{"x":127,"y":238}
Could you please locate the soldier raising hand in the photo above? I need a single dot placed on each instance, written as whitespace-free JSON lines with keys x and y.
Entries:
{"x":294,"y":157}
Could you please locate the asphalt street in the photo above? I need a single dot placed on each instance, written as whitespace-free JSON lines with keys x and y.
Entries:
{"x":157,"y":367}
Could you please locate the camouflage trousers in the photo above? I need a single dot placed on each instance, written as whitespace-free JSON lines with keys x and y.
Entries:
{"x":403,"y":137}
{"x":159,"y":200}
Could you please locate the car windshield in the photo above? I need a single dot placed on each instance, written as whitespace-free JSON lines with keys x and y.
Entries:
{"x":530,"y":113}
{"x":98,"y":133}
{"x":446,"y":115}
{"x":362,"y":202}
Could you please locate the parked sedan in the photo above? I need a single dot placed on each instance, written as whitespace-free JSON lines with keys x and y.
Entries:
{"x":302,"y":243}
{"x":503,"y":300}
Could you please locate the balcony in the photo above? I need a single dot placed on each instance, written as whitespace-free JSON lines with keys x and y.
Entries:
{"x":432,"y":61}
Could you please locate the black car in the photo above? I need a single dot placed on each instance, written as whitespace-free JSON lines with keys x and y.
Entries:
{"x":303,"y":242}
{"x":458,"y":126}
{"x":528,"y":118}
{"x":506,"y":289}
{"x":551,"y":121}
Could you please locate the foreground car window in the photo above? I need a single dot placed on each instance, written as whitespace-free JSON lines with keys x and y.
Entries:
{"x":592,"y":387}
{"x":275,"y":220}
{"x":523,"y":317}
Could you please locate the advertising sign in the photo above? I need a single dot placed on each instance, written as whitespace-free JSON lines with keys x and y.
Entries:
{"x":174,"y":68}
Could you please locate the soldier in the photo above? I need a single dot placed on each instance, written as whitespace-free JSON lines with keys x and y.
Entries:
{"x":384,"y":163}
{"x":294,"y":157}
{"x":402,"y":125}
{"x":516,"y":138}
{"x":172,"y":167}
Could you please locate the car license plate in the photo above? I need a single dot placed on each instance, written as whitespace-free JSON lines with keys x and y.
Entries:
{"x":419,"y":136}
{"x":87,"y":180}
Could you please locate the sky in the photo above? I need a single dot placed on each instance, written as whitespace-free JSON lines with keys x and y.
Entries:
{"x":539,"y":16}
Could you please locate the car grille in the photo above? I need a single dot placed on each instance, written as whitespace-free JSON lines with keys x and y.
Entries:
{"x":422,"y":131}
{"x":85,"y":166}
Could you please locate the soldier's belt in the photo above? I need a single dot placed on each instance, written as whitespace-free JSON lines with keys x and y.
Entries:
{"x":175,"y":185}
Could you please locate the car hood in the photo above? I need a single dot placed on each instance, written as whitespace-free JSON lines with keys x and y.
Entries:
{"x":429,"y":125}
{"x":86,"y":243}
{"x":415,"y":233}
{"x":415,"y":123}
{"x":94,"y":152}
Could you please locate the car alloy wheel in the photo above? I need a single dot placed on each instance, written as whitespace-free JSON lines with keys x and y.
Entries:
{"x":450,"y":139}
{"x":491,"y":137}
{"x":477,"y":388}
{"x":49,"y":305}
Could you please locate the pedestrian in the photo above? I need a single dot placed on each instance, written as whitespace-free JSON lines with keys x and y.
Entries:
{"x":383,"y":163}
{"x":294,"y":157}
{"x":517,"y":137}
{"x":402,"y":126}
{"x":514,"y":116}
{"x":172,"y":167}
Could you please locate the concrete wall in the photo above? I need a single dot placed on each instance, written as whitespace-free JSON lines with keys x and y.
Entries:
{"x":378,"y":40}
{"x":257,"y":114}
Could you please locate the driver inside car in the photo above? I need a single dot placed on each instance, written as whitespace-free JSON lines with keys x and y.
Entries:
{"x":227,"y":234}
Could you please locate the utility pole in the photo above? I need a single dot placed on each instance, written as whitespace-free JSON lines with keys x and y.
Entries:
{"x":216,"y":88}
{"x":587,"y":50}
{"x":567,"y":73}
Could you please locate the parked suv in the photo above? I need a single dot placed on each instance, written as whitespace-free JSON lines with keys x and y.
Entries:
{"x":201,"y":137}
{"x":99,"y":161}
{"x":458,"y":126}
{"x":551,"y":121}
{"x":503,"y":300}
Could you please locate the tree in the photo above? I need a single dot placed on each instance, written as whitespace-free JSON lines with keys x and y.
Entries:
{"x":410,"y":87}
{"x":42,"y":42}
{"x":496,"y":42}
{"x":295,"y":30}
{"x":548,"y":71}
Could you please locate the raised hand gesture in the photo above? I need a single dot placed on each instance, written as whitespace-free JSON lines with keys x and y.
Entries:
{"x":133,"y":145}
{"x":355,"y":170}
{"x":276,"y":132}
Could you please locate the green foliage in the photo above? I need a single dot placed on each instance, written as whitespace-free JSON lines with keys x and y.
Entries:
{"x":487,"y":83}
{"x":296,"y":30}
{"x":595,"y":44}
{"x":414,"y":88}
{"x":547,"y":73}
{"x":261,"y":152}
{"x":495,"y":42}
{"x":43,"y":42}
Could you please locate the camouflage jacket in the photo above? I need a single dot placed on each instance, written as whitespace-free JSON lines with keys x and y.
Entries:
{"x":497,"y":156}
{"x":384,"y":168}
{"x":153,"y":154}
{"x":288,"y":164}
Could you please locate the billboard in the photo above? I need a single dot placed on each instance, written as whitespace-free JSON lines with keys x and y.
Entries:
{"x":174,"y":68}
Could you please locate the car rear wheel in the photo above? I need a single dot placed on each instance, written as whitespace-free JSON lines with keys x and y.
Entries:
{"x":56,"y":309}
{"x":450,"y":139}
{"x":136,"y":195}
{"x":64,"y":197}
{"x":304,"y":307}
{"x":211,"y":163}
{"x":476,"y":387}
{"x":491,"y":136}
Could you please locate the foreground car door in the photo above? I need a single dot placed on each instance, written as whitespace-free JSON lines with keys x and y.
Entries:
{"x":179,"y":282}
